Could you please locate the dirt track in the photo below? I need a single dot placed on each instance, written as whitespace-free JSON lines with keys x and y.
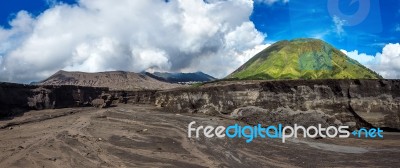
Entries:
{"x":144,"y":136}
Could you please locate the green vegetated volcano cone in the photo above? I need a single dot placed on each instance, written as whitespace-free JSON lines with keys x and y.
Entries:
{"x":302,"y":59}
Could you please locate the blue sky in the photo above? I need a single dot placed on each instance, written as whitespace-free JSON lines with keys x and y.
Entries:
{"x":280,"y":21}
{"x":311,"y":18}
{"x":215,"y":36}
{"x":9,"y":8}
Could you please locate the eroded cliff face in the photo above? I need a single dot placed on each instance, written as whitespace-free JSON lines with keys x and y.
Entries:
{"x":358,"y":103}
{"x":17,"y":98}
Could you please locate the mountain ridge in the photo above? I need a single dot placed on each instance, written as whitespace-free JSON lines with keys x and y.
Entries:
{"x":115,"y":80}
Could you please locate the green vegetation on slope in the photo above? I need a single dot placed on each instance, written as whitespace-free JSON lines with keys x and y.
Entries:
{"x":302,"y":59}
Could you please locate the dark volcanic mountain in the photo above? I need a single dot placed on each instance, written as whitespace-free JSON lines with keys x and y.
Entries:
{"x":182,"y":77}
{"x":302,"y":59}
{"x":115,"y":80}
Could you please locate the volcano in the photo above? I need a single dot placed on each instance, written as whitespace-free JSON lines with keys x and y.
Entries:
{"x":302,"y":59}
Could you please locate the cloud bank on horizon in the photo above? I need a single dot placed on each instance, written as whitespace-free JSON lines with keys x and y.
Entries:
{"x":386,"y":63}
{"x":181,"y":35}
{"x":214,"y":36}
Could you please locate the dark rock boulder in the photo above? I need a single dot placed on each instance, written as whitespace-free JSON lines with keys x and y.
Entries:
{"x":104,"y":101}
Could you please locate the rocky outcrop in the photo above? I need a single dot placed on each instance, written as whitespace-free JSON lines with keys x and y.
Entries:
{"x":105,"y":100}
{"x":17,"y":98}
{"x":367,"y":103}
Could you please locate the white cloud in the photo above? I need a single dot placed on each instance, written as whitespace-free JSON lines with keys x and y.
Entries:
{"x":246,"y":55}
{"x":360,"y":57}
{"x":237,"y":58}
{"x":339,"y":23}
{"x":129,"y":35}
{"x":22,"y":27}
{"x":386,"y":63}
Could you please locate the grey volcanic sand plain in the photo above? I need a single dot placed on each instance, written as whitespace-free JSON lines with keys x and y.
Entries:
{"x":146,"y":136}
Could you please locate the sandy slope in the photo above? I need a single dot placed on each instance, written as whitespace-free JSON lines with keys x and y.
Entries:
{"x":115,"y":80}
{"x":144,"y":136}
